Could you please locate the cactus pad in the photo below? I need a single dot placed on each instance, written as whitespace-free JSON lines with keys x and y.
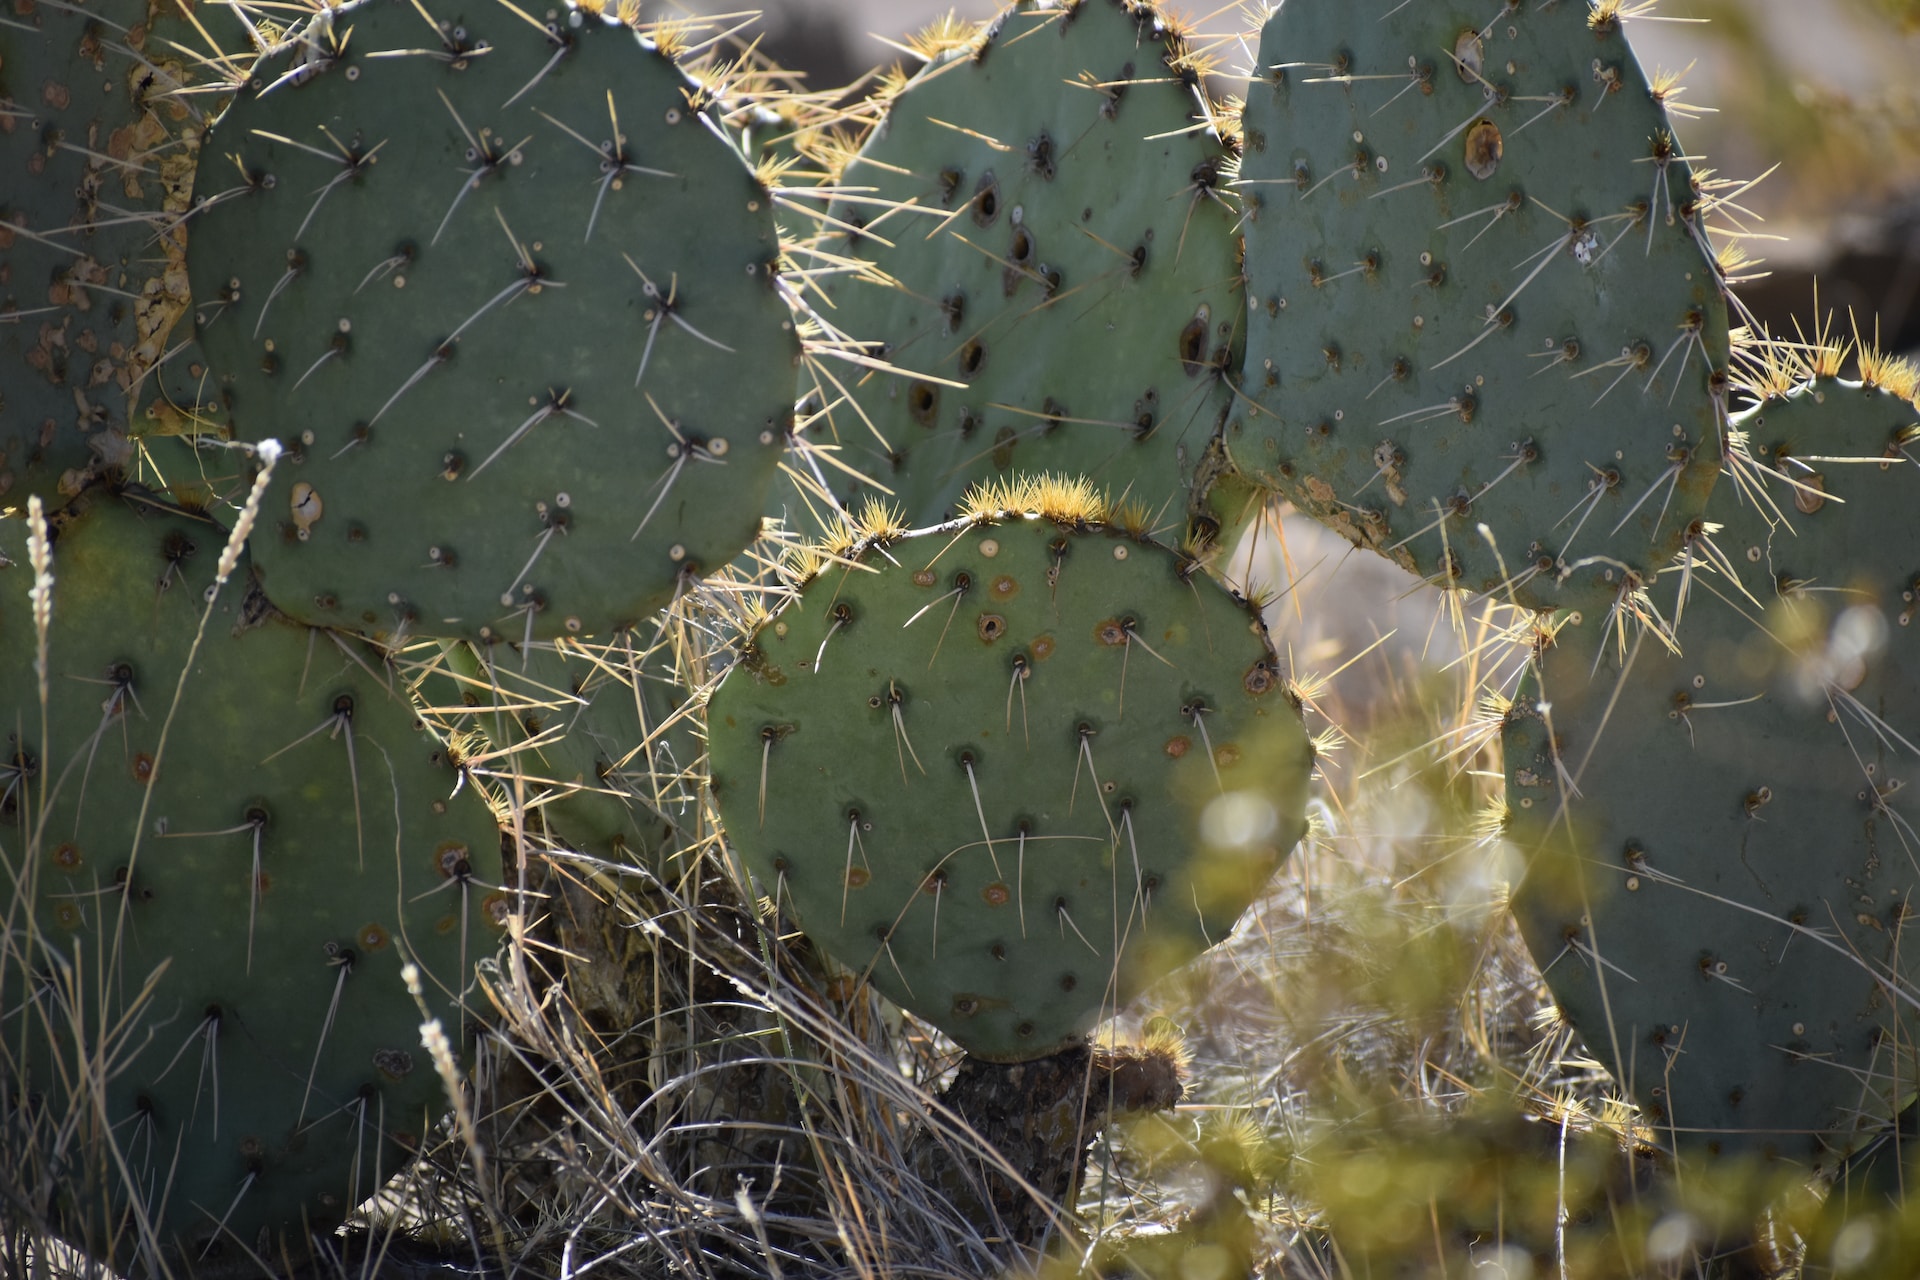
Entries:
{"x":96,"y":162}
{"x":1479,"y":293}
{"x":217,"y":925}
{"x":522,"y":326}
{"x":1024,"y":768}
{"x":1045,"y":255}
{"x":1721,"y":905}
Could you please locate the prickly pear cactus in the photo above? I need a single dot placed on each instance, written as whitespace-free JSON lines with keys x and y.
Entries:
{"x":594,"y":736}
{"x":96,"y":162}
{"x":512,"y":295}
{"x":1480,"y":294}
{"x":1722,"y":848}
{"x":1012,"y":769}
{"x":1046,"y":260}
{"x":214,"y":899}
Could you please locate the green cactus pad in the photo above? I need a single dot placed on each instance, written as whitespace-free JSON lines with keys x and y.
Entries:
{"x":222,"y":919}
{"x":96,"y":162}
{"x":1045,"y":256}
{"x":510,"y":294}
{"x":1721,"y":905}
{"x":1013,"y":774}
{"x":1479,"y":294}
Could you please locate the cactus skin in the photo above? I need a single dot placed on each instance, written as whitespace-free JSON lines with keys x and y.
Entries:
{"x":1062,"y":291}
{"x":1740,"y":852}
{"x":1409,"y":334}
{"x":1010,"y":856}
{"x":284,"y":734}
{"x":454,"y":340}
{"x":97,"y":158}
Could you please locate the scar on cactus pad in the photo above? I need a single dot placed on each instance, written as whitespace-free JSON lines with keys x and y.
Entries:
{"x":1486,"y":329}
{"x":510,"y":292}
{"x":217,"y":896}
{"x":101,"y":131}
{"x":1722,"y":850}
{"x":1011,"y":768}
{"x":1045,"y":266}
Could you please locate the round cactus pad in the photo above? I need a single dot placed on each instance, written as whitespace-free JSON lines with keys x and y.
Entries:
{"x":1045,"y":260}
{"x":216,"y":898}
{"x":1484,"y":327}
{"x":1011,"y":771}
{"x":510,"y":293}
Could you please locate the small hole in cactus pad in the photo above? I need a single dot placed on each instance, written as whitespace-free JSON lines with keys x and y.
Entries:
{"x":1193,"y":343}
{"x":986,"y":200}
{"x":972,"y":356}
{"x":923,"y":401}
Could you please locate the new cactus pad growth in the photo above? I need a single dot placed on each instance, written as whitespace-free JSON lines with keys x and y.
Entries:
{"x":510,"y":292}
{"x":1480,"y":294}
{"x":1723,"y":857}
{"x":1012,"y":769}
{"x":1045,"y":261}
{"x":208,"y":1035}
